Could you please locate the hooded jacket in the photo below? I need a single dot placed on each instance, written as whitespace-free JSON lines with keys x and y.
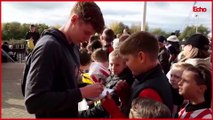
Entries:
{"x":205,"y":62}
{"x":51,"y":88}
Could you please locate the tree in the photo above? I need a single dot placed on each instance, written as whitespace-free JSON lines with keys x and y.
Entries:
{"x":146,"y":27}
{"x":158,"y":32}
{"x":117,"y":27}
{"x":202,"y":29}
{"x":11,"y":30}
{"x":137,"y":27}
{"x":17,"y":31}
{"x":41,"y":27}
{"x":190,"y":30}
{"x":57,"y":26}
{"x":24,"y":29}
{"x":5,"y":31}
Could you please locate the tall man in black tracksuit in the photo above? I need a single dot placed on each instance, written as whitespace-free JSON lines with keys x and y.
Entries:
{"x":51,"y":88}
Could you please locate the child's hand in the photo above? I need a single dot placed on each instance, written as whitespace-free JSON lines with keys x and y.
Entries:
{"x":106,"y":98}
{"x":122,"y":89}
{"x":110,"y":106}
{"x":108,"y":103}
{"x":121,"y":86}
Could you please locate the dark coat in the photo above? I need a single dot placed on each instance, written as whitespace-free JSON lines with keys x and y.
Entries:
{"x":51,"y":88}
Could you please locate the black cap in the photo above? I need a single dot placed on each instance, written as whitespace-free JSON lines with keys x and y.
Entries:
{"x":161,"y":39}
{"x":198,"y":41}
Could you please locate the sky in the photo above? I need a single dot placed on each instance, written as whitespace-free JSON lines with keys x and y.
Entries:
{"x":168,"y":16}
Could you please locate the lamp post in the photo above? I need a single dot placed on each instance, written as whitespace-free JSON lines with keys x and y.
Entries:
{"x":196,"y":25}
{"x":143,"y":23}
{"x":196,"y":19}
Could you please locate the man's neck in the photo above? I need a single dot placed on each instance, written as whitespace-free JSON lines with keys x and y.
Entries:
{"x":64,"y":30}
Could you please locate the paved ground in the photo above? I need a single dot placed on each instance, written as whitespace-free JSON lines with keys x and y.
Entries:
{"x":12,"y":99}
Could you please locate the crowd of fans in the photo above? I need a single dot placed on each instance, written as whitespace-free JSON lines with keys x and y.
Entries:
{"x":148,"y":76}
{"x":186,"y":64}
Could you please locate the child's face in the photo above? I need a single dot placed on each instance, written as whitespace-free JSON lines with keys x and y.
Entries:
{"x":116,"y":65}
{"x":188,"y":86}
{"x":134,"y":63}
{"x":175,"y":77}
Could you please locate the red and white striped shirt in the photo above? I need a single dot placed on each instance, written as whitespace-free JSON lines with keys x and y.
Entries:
{"x":205,"y":113}
{"x":98,"y":71}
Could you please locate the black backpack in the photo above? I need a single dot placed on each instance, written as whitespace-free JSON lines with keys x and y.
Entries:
{"x":26,"y":70}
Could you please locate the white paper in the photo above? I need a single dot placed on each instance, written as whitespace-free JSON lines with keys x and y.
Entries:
{"x":83,"y":105}
{"x":103,"y":94}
